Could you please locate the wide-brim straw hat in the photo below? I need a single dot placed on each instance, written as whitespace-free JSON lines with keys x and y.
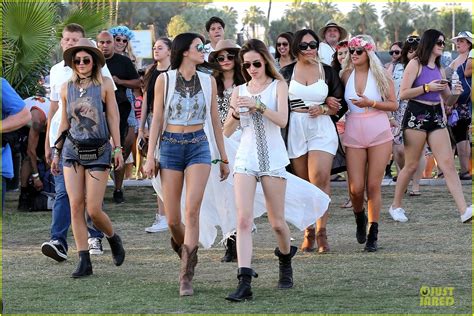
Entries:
{"x":87,"y":45}
{"x":323,"y":30}
{"x":227,"y":45}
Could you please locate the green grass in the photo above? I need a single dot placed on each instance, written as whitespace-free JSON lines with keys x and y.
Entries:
{"x":432,"y":249}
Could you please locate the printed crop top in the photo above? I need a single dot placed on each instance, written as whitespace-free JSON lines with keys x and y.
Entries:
{"x":187,"y":106}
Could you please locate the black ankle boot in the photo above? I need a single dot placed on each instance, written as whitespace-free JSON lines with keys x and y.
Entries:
{"x":371,"y":244}
{"x":231,"y":249}
{"x":361,"y":221}
{"x":285,"y":280}
{"x":84,"y":267}
{"x":118,"y":253}
{"x":244,"y":290}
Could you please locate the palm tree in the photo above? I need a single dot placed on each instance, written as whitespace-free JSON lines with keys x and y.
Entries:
{"x":426,"y":17}
{"x":231,"y":12}
{"x":396,"y":15}
{"x":361,"y":17}
{"x":253,"y":17}
{"x":328,"y":9}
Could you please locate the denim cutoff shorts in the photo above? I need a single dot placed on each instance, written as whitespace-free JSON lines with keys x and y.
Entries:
{"x":181,"y":150}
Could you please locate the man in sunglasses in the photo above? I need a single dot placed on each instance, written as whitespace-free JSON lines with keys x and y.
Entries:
{"x":125,"y":77}
{"x":57,"y":247}
{"x":330,"y":35}
{"x":215,"y":29}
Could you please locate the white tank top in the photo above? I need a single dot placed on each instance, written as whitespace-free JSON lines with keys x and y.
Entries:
{"x":371,"y":91}
{"x":261,"y":146}
{"x":314,"y":93}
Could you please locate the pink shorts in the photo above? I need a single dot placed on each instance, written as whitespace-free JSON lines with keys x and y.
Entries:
{"x":369,"y":129}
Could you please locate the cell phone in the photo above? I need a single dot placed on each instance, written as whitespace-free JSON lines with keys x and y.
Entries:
{"x":141,"y":143}
{"x":443,"y":81}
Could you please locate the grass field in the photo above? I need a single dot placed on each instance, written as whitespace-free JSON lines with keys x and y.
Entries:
{"x":432,"y":250}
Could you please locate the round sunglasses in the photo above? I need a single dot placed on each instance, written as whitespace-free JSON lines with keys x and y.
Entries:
{"x":394,"y":52}
{"x":121,"y":40}
{"x":284,"y":44}
{"x":85,"y":61}
{"x":256,"y":64}
{"x":311,"y":45}
{"x":412,"y":40}
{"x":222,"y":58}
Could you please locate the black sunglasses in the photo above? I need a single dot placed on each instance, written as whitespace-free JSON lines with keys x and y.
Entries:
{"x":285,"y":44}
{"x":441,"y":43}
{"x":311,"y":45}
{"x":394,"y":52}
{"x":412,"y":40}
{"x":85,"y":61}
{"x":359,"y":51}
{"x":121,"y":40}
{"x":229,"y":57}
{"x":256,"y":64}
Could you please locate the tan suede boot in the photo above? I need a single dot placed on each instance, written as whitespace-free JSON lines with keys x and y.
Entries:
{"x":189,"y":260}
{"x":309,"y":240}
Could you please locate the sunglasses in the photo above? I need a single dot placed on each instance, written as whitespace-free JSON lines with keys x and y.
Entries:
{"x":284,"y":44}
{"x":359,"y":51}
{"x":394,"y":52}
{"x":342,"y":53}
{"x":441,"y":43}
{"x":222,"y":58}
{"x":85,"y":61}
{"x":121,"y":40}
{"x":311,"y":45}
{"x":256,"y":64}
{"x":412,"y":40}
{"x":200,"y":48}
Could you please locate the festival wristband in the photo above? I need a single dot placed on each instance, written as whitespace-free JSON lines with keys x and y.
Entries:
{"x":224,"y":161}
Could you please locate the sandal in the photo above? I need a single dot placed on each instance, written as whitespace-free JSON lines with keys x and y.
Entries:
{"x":414,"y":193}
{"x":347,"y":204}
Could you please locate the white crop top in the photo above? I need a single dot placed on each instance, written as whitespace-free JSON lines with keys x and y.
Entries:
{"x":371,"y":91}
{"x":315,"y":93}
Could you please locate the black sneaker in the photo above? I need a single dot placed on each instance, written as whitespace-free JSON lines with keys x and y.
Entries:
{"x":55,"y":250}
{"x":118,"y":196}
{"x":23,"y":202}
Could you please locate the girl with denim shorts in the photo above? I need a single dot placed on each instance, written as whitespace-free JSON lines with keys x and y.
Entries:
{"x":89,"y":111}
{"x":368,"y":139}
{"x":184,"y":119}
{"x":424,"y":120}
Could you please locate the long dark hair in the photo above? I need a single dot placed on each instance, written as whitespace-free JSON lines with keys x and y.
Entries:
{"x":259,"y":47}
{"x":219,"y":75}
{"x":149,"y":71}
{"x":425,"y":48}
{"x":406,"y":48}
{"x":289,"y":38}
{"x":335,"y":64}
{"x":299,"y":36}
{"x":181,"y":44}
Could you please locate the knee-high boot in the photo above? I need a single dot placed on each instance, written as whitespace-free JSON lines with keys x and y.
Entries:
{"x":286,"y":270}
{"x":244,"y":289}
{"x":189,"y":260}
{"x":84,"y":267}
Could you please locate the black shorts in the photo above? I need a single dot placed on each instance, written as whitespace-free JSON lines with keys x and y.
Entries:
{"x":461,"y":130}
{"x":423,"y":117}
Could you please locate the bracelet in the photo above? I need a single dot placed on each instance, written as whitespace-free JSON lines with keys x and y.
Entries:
{"x":324,"y":108}
{"x":373,"y":104}
{"x":426,"y":88}
{"x":35,"y":175}
{"x":259,"y":106}
{"x":224,"y":161}
{"x":117,"y":149}
{"x":235,"y":117}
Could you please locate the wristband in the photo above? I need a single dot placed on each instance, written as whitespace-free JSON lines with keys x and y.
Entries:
{"x":259,"y":106}
{"x":426,"y":88}
{"x":35,"y":175}
{"x":235,"y":117}
{"x":224,"y":161}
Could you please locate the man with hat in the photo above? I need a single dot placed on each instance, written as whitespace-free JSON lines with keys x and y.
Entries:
{"x":330,"y":35}
{"x":60,"y":73}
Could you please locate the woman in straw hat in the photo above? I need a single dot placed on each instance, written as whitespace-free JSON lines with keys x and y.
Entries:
{"x":89,"y":111}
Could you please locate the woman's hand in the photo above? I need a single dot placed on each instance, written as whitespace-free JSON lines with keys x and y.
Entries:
{"x":55,"y":166}
{"x":457,"y":89}
{"x":224,"y":171}
{"x":48,"y":154}
{"x":118,"y":161}
{"x":246,"y":102}
{"x":333,"y":103}
{"x":150,"y":169}
{"x":363,"y":102}
{"x":437,"y":85}
{"x":314,"y":110}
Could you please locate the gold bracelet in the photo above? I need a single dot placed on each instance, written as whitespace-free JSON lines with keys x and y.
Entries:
{"x":259,"y":106}
{"x":374,"y":104}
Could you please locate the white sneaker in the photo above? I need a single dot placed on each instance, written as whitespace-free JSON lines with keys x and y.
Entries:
{"x":467,"y":216}
{"x":160,"y":224}
{"x":398,"y":214}
{"x":95,"y":246}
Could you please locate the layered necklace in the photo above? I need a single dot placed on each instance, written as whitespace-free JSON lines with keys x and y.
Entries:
{"x":82,"y":90}
{"x":190,"y":91}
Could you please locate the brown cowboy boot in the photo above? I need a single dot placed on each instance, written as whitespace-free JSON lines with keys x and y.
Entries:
{"x":322,"y":241}
{"x":189,"y":260}
{"x":309,"y":239}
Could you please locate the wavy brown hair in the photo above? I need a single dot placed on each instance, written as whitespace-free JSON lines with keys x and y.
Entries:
{"x":259,"y":47}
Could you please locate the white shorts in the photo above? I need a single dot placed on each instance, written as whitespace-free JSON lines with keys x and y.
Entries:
{"x":306,"y":133}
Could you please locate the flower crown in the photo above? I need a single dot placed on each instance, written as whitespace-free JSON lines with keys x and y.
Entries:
{"x":359,"y":42}
{"x":121,"y":31}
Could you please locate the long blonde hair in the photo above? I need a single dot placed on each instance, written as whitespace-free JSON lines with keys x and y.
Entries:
{"x":382,"y":79}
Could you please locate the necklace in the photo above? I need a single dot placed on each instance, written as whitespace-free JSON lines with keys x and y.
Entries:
{"x":83,"y":90}
{"x":188,"y":88}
